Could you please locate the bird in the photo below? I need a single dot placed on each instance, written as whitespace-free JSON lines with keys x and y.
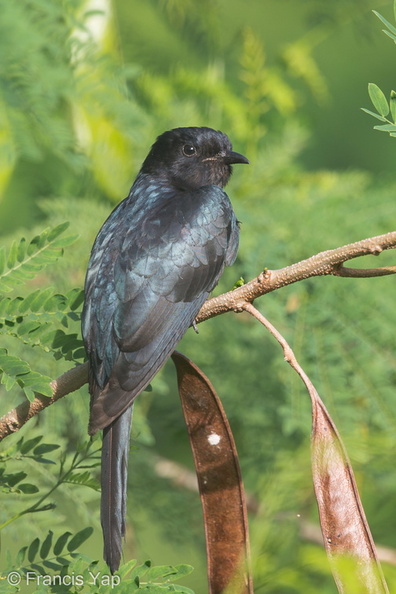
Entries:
{"x":153,"y":264}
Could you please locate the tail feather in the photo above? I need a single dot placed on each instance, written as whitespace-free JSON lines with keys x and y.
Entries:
{"x":115,"y":451}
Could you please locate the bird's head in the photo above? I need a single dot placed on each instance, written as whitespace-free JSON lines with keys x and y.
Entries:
{"x":190,"y":158}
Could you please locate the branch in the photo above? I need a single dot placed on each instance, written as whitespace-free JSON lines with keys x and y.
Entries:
{"x":66,"y":383}
{"x":325,"y":263}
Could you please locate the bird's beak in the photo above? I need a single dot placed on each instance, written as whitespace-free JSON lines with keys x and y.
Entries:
{"x":231,"y":157}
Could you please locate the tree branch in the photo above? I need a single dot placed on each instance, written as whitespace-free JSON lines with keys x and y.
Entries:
{"x":325,"y":263}
{"x":66,"y":383}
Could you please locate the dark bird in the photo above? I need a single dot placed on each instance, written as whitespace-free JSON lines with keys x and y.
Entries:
{"x":153,"y":264}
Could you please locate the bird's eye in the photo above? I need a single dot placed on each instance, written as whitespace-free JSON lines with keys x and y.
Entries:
{"x":189,"y":150}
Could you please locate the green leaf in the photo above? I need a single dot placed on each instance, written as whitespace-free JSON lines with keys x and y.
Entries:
{"x":239,"y":283}
{"x":386,"y":128}
{"x":389,"y":34}
{"x":44,"y":448}
{"x":29,"y":393}
{"x":46,"y":546}
{"x":167,"y":571}
{"x":14,"y":479}
{"x":21,"y":250}
{"x":75,"y":298}
{"x":83,"y":478}
{"x":8,"y":381}
{"x":61,"y":543}
{"x":63,"y":242}
{"x":38,"y":569}
{"x":21,"y":556}
{"x":127,"y":567}
{"x":12,"y":365}
{"x":33,"y":549}
{"x":183,"y":569}
{"x":12,"y":254}
{"x":40,"y":298}
{"x":36,"y":382}
{"x":28,"y":488}
{"x":79,"y":354}
{"x":378,"y":99}
{"x":54,"y":566}
{"x":41,"y":460}
{"x":162,"y":588}
{"x":4,"y":303}
{"x":391,"y":28}
{"x":25,"y":262}
{"x":139,"y":571}
{"x":79,"y":538}
{"x":55,"y":303}
{"x":26,"y":446}
{"x":28,"y":327}
{"x":58,"y":230}
{"x":373,"y":114}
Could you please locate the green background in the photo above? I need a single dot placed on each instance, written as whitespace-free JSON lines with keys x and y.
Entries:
{"x":286,"y":81}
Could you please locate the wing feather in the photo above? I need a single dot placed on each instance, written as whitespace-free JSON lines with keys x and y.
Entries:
{"x":146,"y":284}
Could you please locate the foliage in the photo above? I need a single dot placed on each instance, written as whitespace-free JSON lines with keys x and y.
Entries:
{"x":39,"y":318}
{"x":23,"y":262}
{"x":63,"y":108}
{"x":76,"y":126}
{"x":383,"y":108}
{"x":53,"y":565}
{"x":76,"y":471}
{"x":377,"y":97}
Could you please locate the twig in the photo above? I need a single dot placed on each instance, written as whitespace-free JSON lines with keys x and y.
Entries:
{"x":66,"y":383}
{"x":325,"y":263}
{"x":287,"y":351}
{"x":342,"y":518}
{"x":364,"y":272}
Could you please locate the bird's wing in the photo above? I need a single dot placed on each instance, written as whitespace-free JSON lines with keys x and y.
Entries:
{"x":148,"y":288}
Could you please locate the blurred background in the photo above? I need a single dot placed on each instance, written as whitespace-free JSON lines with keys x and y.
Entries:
{"x":85,"y":89}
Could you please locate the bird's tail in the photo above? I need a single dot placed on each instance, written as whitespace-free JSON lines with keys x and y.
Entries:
{"x":115,"y":451}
